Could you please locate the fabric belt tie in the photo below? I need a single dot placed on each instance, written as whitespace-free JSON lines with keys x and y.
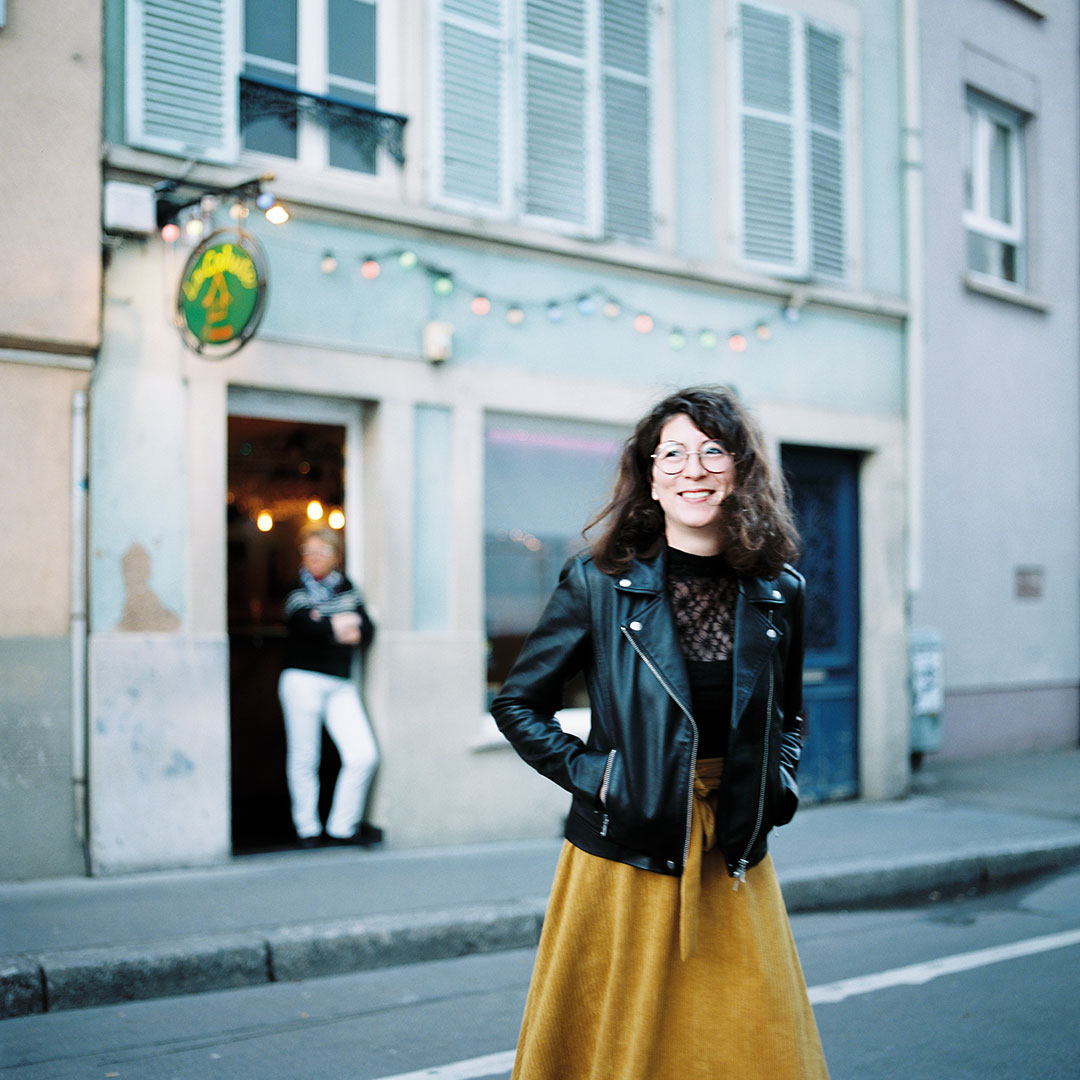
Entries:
{"x":702,"y":839}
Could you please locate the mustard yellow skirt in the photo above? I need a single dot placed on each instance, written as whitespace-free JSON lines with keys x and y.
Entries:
{"x":642,"y":976}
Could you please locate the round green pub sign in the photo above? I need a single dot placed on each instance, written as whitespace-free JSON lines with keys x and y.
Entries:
{"x":222,"y":293}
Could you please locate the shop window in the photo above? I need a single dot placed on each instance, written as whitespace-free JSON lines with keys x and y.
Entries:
{"x":994,"y":191}
{"x":543,"y":480}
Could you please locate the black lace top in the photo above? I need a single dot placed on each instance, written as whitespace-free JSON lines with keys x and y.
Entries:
{"x":703,"y":590}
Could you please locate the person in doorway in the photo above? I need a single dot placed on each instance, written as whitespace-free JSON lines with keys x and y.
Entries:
{"x":666,"y":950}
{"x":326,"y":622}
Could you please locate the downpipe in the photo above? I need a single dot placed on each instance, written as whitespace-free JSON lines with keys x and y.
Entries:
{"x":78,"y":620}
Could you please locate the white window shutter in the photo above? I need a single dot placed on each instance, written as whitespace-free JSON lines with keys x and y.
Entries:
{"x":625,"y":38}
{"x":767,"y":138}
{"x":182,"y":77}
{"x":472,"y":101}
{"x":555,"y":110}
{"x":825,"y":86}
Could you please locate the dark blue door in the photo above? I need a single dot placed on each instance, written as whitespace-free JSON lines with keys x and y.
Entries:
{"x":824,"y":488}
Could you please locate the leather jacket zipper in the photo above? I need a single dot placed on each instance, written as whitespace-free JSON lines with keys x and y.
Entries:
{"x":604,"y":790}
{"x":743,"y":864}
{"x":693,"y":726}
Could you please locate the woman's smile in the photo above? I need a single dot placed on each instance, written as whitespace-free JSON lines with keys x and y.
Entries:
{"x":691,"y":498}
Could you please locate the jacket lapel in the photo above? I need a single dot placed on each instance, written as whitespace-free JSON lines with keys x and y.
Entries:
{"x":756,"y":638}
{"x":647,"y":616}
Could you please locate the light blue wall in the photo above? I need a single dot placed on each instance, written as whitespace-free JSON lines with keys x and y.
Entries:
{"x":880,"y":125}
{"x":138,"y":441}
{"x":826,"y":358}
{"x":700,"y":51}
{"x":432,"y":514}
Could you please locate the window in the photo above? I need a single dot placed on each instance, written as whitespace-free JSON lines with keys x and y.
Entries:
{"x":543,"y":112}
{"x":543,"y":480}
{"x":790,"y":143}
{"x":994,"y":191}
{"x":338,"y":62}
{"x":292,"y":78}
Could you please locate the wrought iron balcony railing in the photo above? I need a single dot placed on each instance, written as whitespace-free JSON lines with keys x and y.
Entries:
{"x":368,"y":129}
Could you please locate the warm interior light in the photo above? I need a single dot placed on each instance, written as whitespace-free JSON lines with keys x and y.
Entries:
{"x":277,"y":214}
{"x":314,"y":510}
{"x":335,"y":519}
{"x":265,"y":521}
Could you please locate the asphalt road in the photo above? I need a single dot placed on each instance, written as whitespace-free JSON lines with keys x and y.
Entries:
{"x":973,"y":987}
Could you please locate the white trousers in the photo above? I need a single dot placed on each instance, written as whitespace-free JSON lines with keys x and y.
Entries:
{"x":309,"y":700}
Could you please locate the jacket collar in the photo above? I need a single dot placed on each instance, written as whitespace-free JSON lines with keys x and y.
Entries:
{"x":756,"y":635}
{"x":648,"y":576}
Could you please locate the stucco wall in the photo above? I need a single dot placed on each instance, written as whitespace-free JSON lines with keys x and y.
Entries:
{"x":50,"y":183}
{"x":1002,"y":469}
{"x":37,"y":790}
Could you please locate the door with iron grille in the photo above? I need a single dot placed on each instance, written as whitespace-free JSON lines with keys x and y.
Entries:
{"x":824,"y":488}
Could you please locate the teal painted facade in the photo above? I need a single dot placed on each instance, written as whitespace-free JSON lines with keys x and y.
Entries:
{"x":336,"y":347}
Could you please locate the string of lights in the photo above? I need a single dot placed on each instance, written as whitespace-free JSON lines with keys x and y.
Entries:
{"x":588,"y":303}
{"x":181,"y":212}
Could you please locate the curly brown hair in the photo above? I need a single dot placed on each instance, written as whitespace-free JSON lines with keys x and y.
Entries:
{"x":758,"y":533}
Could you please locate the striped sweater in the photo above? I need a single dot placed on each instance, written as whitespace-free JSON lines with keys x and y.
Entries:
{"x":310,"y":643}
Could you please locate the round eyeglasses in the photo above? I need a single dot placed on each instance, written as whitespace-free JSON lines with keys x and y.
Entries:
{"x":671,"y":457}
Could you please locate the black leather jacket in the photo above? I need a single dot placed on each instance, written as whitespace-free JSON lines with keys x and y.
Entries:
{"x":632,"y":782}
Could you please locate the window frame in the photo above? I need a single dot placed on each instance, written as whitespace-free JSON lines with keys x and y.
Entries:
{"x":982,"y":113}
{"x":313,"y":76}
{"x":516,"y":51}
{"x":838,"y":21}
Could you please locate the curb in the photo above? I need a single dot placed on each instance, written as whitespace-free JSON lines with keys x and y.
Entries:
{"x":81,"y":978}
{"x":870,"y":881}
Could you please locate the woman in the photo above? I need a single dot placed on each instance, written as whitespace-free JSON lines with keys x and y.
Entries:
{"x":326,"y":622}
{"x":666,"y":950}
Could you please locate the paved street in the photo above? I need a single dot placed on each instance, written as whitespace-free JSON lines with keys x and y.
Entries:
{"x":975,"y":986}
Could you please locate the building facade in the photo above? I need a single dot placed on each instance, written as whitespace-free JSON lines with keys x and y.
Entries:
{"x":997,"y":537}
{"x":512,"y":226}
{"x":50,"y":295}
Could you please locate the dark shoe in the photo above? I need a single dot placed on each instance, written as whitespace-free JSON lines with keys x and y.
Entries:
{"x":369,"y":834}
{"x":365,"y":836}
{"x":309,"y":843}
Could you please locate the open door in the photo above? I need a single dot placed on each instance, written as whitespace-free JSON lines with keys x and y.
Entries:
{"x":281,"y":474}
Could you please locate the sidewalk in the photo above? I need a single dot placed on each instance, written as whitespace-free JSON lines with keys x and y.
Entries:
{"x":76,"y":942}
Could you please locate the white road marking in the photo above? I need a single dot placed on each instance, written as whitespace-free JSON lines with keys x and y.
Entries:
{"x":491,"y":1065}
{"x":917,"y":974}
{"x":826,"y":994}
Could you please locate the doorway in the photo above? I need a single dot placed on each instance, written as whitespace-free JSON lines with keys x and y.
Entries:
{"x":824,"y":489}
{"x":282,"y":473}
